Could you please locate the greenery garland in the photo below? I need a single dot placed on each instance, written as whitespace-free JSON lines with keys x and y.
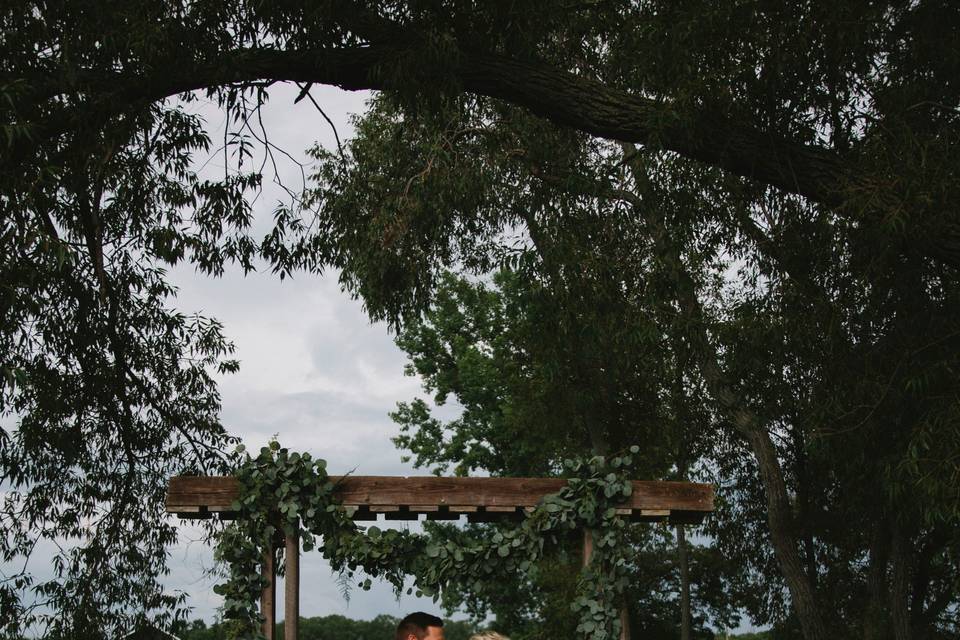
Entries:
{"x":292,"y":493}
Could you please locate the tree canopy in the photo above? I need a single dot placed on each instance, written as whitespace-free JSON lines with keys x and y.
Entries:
{"x":779,"y":204}
{"x":843,"y":105}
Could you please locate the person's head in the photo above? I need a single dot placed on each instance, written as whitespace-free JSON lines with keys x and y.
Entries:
{"x":420,"y":626}
{"x":488,"y":635}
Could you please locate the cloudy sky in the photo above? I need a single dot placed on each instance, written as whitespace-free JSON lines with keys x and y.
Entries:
{"x":314,"y":371}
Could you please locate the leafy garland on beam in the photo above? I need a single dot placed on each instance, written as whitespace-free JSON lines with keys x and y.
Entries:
{"x":291,"y":493}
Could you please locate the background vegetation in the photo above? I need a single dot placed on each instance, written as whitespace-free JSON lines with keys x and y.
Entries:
{"x":338,"y":627}
{"x":725,"y":230}
{"x":333,"y":627}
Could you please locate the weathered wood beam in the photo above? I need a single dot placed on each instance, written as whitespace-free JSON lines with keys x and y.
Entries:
{"x":448,"y":498}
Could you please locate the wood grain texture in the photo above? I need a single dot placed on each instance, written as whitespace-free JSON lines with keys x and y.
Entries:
{"x":200,"y":496}
{"x":291,"y":588}
{"x":268,"y":597}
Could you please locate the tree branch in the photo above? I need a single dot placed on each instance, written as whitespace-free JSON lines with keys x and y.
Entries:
{"x":820,"y":174}
{"x":748,"y":424}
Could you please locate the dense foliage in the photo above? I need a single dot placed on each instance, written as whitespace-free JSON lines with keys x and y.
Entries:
{"x":763,"y":349}
{"x":504,"y":351}
{"x":107,"y":389}
{"x":786,"y":237}
{"x":291,"y":493}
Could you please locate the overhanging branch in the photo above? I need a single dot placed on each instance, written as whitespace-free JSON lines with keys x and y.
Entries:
{"x":817,"y":173}
{"x":566,"y":98}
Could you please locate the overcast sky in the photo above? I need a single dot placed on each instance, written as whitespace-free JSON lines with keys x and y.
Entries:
{"x":314,"y":371}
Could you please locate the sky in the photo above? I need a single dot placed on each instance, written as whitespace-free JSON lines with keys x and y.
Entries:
{"x":314,"y":372}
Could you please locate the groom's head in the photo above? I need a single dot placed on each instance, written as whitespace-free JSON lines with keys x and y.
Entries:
{"x":420,"y":626}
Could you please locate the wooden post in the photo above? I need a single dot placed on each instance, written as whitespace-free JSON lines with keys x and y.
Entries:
{"x":291,"y":588}
{"x":268,"y":598}
{"x":587,"y":556}
{"x":684,"y":583}
{"x":624,"y":623}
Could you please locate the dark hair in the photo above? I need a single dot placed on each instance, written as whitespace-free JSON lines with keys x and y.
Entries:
{"x":416,"y":624}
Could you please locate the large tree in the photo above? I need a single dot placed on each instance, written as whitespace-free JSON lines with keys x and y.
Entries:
{"x":847,"y":105}
{"x":537,"y":373}
{"x":840,"y":118}
{"x":777,"y":313}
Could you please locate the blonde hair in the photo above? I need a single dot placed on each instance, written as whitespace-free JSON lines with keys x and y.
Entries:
{"x":488,"y":635}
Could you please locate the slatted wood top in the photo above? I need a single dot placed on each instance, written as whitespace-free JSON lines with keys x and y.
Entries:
{"x":481,"y":499}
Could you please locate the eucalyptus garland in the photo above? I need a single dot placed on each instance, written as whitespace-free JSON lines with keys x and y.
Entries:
{"x":291,"y":493}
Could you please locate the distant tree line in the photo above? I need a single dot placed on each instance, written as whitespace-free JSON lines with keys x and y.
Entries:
{"x":332,"y":627}
{"x":337,"y":627}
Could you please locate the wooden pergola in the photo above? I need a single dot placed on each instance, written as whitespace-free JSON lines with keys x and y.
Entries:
{"x":408,"y":498}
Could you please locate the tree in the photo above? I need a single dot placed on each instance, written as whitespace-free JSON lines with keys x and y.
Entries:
{"x":764,"y":342}
{"x":562,"y":354}
{"x":812,"y":136}
{"x":852,"y":108}
{"x":526,"y":403}
{"x":109,"y":387}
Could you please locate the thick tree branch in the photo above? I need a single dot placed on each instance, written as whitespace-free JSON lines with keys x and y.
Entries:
{"x":565,"y":98}
{"x":593,"y":107}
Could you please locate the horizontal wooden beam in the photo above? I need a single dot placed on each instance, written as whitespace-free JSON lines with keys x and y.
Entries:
{"x":482,"y":499}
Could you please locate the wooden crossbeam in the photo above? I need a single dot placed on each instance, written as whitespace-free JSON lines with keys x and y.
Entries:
{"x":480,"y":499}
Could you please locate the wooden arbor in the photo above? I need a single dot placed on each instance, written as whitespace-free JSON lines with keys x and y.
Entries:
{"x":400,"y":498}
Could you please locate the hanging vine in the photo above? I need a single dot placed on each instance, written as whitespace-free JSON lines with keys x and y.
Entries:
{"x":291,"y":493}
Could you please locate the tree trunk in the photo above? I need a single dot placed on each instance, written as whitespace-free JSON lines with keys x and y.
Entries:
{"x":900,"y":583}
{"x":779,"y":509}
{"x":624,"y":623}
{"x":780,"y":522}
{"x":684,"y":584}
{"x":875,"y":618}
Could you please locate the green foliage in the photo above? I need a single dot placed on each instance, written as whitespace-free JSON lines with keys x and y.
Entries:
{"x":496,"y":352}
{"x":490,"y":345}
{"x":670,"y":278}
{"x":290,"y":492}
{"x":106,"y":390}
{"x":833,"y":317}
{"x":332,"y":627}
